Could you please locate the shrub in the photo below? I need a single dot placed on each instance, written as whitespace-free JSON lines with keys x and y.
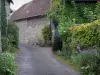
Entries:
{"x":13,"y":34}
{"x":97,"y":11}
{"x":66,"y":41}
{"x":88,"y":62}
{"x":7,"y":46}
{"x":7,"y":64}
{"x":46,"y":34}
{"x":59,"y":53}
{"x":67,"y":51}
{"x":5,"y":43}
{"x":86,"y":35}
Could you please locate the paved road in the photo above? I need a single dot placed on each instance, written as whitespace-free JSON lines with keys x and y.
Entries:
{"x":39,"y":61}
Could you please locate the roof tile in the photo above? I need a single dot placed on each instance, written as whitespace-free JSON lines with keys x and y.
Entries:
{"x":31,"y":9}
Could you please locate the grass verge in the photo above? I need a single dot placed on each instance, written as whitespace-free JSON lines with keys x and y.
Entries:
{"x":66,"y":62}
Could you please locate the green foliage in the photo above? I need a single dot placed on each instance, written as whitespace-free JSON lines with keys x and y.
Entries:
{"x":67,"y":51}
{"x":52,"y":13}
{"x":59,"y":53}
{"x":97,"y":10}
{"x":7,"y":64}
{"x":76,"y":30}
{"x":68,"y":13}
{"x":72,"y":14}
{"x":3,"y":19}
{"x":67,"y":62}
{"x":86,"y":35}
{"x":66,"y":38}
{"x":7,"y":46}
{"x":10,"y":43}
{"x":13,"y":34}
{"x":88,"y":62}
{"x":46,"y":33}
{"x":86,"y":12}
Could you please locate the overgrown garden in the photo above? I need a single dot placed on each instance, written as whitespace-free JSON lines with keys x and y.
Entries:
{"x":79,"y":28}
{"x":9,"y":43}
{"x":9,"y":48}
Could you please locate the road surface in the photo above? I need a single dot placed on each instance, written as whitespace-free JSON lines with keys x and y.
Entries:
{"x":39,"y":61}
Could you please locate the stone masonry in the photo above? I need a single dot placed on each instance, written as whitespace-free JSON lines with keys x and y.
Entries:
{"x":30,"y":29}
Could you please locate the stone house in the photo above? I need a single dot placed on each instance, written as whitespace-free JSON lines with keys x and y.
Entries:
{"x":30,"y":18}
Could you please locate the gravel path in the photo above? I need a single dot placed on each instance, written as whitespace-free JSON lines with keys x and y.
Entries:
{"x":39,"y":61}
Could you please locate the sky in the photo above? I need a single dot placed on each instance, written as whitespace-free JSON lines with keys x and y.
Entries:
{"x":18,"y":3}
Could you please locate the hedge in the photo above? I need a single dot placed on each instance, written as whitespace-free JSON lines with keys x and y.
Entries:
{"x":46,"y":36}
{"x":84,"y":35}
{"x":7,"y":64}
{"x":13,"y":34}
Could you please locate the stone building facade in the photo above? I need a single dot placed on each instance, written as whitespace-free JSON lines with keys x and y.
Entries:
{"x":30,"y":29}
{"x":31,"y":19}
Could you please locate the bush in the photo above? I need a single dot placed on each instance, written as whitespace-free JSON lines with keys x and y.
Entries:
{"x":7,"y":64}
{"x":13,"y":34}
{"x":88,"y":62}
{"x":97,"y":11}
{"x":84,"y":35}
{"x":46,"y":34}
{"x":59,"y":53}
{"x":7,"y":46}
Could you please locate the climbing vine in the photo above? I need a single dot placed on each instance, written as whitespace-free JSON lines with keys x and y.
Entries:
{"x":3,"y":19}
{"x":68,"y":13}
{"x":3,"y":24}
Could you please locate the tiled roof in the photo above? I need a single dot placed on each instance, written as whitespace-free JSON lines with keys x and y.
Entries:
{"x":31,"y":9}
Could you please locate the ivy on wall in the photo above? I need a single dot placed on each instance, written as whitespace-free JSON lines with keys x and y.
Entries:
{"x":3,"y":19}
{"x":3,"y":24}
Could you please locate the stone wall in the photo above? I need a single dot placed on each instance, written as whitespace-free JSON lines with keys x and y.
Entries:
{"x":30,"y":29}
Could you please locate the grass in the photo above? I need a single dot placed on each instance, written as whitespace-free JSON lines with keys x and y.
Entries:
{"x":66,"y":62}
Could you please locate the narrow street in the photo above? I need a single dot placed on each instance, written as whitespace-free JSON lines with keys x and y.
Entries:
{"x":39,"y":61}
